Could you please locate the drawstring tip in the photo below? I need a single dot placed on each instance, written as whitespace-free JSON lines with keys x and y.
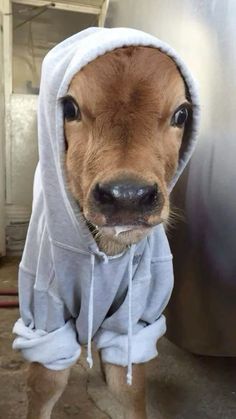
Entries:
{"x":129,"y":379}
{"x":90,"y":362}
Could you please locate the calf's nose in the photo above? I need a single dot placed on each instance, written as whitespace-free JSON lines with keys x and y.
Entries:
{"x":127,"y":195}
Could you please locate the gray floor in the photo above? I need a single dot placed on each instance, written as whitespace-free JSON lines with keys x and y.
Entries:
{"x":180,"y":385}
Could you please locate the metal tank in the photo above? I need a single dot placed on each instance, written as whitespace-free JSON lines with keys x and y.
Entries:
{"x":201,"y":315}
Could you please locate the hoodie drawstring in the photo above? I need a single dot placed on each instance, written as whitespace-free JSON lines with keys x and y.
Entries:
{"x":130,"y":331}
{"x":90,"y":309}
{"x":90,"y":312}
{"x":90,"y":315}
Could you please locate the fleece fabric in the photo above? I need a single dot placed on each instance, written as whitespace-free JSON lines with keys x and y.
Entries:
{"x":70,"y":292}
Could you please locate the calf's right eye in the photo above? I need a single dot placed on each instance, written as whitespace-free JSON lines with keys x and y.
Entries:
{"x":71,"y":111}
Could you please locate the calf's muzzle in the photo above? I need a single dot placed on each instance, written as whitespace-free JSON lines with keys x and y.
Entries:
{"x":130,"y":197}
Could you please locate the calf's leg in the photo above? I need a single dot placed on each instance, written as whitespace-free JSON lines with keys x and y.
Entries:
{"x":131,"y":397}
{"x":45,"y":386}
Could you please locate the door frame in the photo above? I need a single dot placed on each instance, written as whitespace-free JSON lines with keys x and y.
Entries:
{"x":6,"y":46}
{"x":2,"y":144}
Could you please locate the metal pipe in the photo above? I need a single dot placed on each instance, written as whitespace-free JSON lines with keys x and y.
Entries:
{"x":9,"y":304}
{"x":8,"y":292}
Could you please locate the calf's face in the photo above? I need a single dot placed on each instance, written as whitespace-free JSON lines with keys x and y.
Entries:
{"x":124,"y":118}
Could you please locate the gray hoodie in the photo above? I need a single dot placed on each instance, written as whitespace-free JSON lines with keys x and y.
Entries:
{"x":70,"y":292}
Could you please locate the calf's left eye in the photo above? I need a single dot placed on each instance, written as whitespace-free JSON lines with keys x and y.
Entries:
{"x":180,"y":117}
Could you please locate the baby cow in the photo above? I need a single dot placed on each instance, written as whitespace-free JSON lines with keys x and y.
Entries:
{"x":118,"y":113}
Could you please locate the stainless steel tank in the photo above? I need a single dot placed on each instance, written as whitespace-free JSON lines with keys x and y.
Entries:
{"x":201,"y":315}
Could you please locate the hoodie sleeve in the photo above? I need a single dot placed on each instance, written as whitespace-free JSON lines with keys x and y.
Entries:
{"x":45,"y":332}
{"x":151,"y":294}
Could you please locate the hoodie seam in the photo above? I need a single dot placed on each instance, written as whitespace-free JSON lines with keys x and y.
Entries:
{"x":69,"y":247}
{"x":81,"y":251}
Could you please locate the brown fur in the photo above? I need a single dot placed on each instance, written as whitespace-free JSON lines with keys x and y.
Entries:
{"x":44,"y":389}
{"x":127,"y":98}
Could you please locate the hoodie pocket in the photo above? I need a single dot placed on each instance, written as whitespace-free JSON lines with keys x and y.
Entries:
{"x":161,"y":285}
{"x":118,"y":321}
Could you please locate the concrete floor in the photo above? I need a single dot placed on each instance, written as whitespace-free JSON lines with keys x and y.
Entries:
{"x":180,"y":385}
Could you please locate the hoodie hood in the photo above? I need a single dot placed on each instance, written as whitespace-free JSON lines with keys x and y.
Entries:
{"x":59,"y":67}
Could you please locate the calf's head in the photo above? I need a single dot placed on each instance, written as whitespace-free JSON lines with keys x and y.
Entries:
{"x":124,"y":120}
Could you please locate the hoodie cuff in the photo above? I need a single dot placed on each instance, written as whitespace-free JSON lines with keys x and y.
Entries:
{"x":114,"y":347}
{"x":56,"y":350}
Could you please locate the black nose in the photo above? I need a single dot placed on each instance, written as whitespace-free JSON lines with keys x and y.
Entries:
{"x":129,"y":195}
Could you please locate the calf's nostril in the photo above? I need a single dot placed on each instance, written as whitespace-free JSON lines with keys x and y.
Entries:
{"x":103,"y":194}
{"x":148,"y":195}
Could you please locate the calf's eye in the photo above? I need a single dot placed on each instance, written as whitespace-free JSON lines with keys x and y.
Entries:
{"x":71,"y":110}
{"x":180,"y":117}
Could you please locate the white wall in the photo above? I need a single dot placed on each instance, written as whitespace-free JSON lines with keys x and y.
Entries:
{"x":24,"y":148}
{"x":180,"y":24}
